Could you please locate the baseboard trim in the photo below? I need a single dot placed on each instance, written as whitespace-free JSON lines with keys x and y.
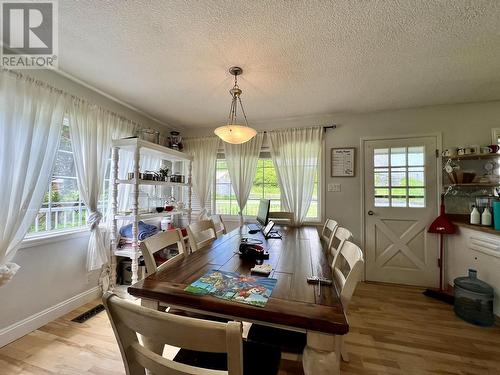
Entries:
{"x":35,"y":321}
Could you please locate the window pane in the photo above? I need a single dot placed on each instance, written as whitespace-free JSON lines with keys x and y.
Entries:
{"x":381,"y":177}
{"x":382,"y":202}
{"x":398,"y":179}
{"x":416,"y":155}
{"x":417,"y":202}
{"x":398,"y":156}
{"x":398,"y":197}
{"x":381,"y":157}
{"x":416,"y":176}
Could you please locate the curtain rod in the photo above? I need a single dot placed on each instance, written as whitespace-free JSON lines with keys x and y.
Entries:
{"x":325,"y":128}
{"x":64,"y":93}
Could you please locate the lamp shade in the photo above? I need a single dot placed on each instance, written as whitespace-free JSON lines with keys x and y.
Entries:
{"x":442,"y":224}
{"x":235,"y":134}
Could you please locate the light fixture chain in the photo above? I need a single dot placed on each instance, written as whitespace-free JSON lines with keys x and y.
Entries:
{"x":243,"y":111}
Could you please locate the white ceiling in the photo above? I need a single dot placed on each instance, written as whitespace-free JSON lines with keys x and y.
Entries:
{"x":300,"y":58}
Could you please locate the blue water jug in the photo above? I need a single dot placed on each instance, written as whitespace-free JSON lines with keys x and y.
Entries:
{"x":496,"y":214}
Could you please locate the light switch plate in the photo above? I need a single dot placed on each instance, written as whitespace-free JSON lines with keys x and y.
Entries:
{"x":335,"y":188}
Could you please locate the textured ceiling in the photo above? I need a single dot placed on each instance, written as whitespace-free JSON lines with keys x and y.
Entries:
{"x":301,"y":58}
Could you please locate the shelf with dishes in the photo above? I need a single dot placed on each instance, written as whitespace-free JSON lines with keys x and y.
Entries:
{"x":149,"y":215}
{"x":474,"y":184}
{"x":153,"y":183}
{"x":473,"y":157}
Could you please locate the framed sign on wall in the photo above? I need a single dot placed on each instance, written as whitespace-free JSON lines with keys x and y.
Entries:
{"x":343,"y":162}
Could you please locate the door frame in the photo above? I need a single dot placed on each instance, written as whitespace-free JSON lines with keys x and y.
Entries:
{"x":439,"y":164}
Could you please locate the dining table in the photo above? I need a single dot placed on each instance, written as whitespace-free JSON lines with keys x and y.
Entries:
{"x":294,"y":304}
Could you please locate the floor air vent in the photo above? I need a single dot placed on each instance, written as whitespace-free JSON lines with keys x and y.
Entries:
{"x":88,"y":314}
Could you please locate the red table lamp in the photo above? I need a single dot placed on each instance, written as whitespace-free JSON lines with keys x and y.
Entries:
{"x":441,"y":225}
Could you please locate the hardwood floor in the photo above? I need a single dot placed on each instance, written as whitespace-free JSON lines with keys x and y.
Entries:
{"x":394,"y":330}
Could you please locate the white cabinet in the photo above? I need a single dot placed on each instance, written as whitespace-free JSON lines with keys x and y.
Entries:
{"x":474,"y":249}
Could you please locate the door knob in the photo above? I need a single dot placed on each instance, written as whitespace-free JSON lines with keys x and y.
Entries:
{"x":370,"y":213}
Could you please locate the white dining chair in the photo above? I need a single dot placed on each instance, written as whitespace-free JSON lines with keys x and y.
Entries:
{"x":281,"y":217}
{"x":160,"y":241}
{"x":129,"y":319}
{"x":201,"y":233}
{"x":219,"y":225}
{"x":347,"y":271}
{"x":347,"y":268}
{"x":340,"y":235}
{"x":206,"y":347}
{"x":328,"y":232}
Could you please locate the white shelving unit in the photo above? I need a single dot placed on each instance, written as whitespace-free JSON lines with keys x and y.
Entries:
{"x":139,"y":148}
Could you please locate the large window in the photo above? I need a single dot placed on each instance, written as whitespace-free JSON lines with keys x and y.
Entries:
{"x":265,"y":186}
{"x":62,"y":207}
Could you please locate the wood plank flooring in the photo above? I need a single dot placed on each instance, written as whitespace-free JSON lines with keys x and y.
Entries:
{"x":394,"y":330}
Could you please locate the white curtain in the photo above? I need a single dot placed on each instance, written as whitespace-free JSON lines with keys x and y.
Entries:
{"x":204,"y":153}
{"x":242,"y":164}
{"x":31,"y":116}
{"x":296,"y":157}
{"x":92,"y":129}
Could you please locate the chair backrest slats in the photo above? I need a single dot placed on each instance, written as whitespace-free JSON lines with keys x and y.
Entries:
{"x":201,"y":234}
{"x":340,"y":235}
{"x":129,"y":319}
{"x":220,"y":227}
{"x":158,"y":242}
{"x":328,"y":232}
{"x":350,"y":256}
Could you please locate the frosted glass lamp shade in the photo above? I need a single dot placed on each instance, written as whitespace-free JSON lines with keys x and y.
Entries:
{"x":235,"y":134}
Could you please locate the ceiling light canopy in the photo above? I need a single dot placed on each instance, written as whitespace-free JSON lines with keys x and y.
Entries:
{"x":233,"y":132}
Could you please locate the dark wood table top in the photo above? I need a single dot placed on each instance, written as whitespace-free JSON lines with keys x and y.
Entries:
{"x":293,"y":302}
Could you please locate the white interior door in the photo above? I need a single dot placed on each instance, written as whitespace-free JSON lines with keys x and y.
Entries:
{"x":401,"y":200}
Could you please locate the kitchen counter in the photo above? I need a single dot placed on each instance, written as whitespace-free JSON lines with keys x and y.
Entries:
{"x":464,"y":221}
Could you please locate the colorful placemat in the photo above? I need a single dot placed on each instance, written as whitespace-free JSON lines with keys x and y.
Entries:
{"x":251,"y":290}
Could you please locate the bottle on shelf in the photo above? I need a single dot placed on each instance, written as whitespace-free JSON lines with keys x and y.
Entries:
{"x":475,"y":216}
{"x":486,"y":217}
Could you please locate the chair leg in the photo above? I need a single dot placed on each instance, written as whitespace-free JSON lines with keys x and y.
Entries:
{"x":343,"y":350}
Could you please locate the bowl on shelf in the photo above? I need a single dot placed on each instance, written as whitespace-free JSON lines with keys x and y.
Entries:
{"x":160,"y":209}
{"x":169,"y":208}
{"x":467,"y":177}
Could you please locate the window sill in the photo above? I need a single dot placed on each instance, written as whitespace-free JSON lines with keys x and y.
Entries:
{"x":251,"y":219}
{"x":44,"y":239}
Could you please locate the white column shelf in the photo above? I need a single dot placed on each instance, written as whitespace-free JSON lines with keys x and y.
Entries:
{"x":140,"y":148}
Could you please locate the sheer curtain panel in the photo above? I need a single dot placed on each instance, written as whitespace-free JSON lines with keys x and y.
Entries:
{"x":242,"y":164}
{"x":92,"y":129}
{"x":204,"y":153}
{"x":296,"y":157}
{"x":31,"y":117}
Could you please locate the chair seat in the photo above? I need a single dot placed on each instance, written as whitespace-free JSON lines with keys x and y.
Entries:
{"x":257,"y":359}
{"x":282,"y":339}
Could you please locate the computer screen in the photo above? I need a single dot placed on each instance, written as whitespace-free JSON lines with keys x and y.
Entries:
{"x":263,"y":213}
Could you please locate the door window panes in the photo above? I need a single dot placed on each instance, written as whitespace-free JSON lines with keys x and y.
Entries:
{"x":399,"y":177}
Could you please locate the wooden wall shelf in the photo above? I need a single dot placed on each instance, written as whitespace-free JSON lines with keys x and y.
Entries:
{"x":472,"y":157}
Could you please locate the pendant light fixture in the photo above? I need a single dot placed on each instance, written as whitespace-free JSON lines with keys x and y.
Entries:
{"x":234,"y":132}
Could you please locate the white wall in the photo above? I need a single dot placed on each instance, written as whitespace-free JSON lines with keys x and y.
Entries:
{"x":52,"y":274}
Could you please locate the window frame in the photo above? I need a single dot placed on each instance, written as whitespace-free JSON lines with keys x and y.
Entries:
{"x":32,"y":239}
{"x":250,"y":218}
